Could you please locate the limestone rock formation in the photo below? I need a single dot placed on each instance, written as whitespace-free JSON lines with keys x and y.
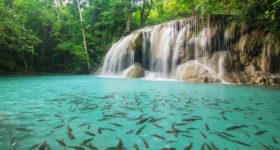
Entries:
{"x":134,"y":71}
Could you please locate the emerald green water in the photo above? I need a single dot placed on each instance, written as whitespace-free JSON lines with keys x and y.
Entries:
{"x":38,"y":109}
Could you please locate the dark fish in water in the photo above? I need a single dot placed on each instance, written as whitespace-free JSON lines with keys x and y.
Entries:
{"x":235,"y":127}
{"x":181,"y":124}
{"x":69,"y":129}
{"x":76,"y":147}
{"x":206,"y":127}
{"x":194,"y":118}
{"x":265,"y":147}
{"x":89,"y":133}
{"x":84,"y":124}
{"x":34,"y":146}
{"x":241,"y":143}
{"x":71,"y":135}
{"x":155,"y":120}
{"x":43,"y":146}
{"x":171,"y":141}
{"x":145,"y":143}
{"x":214,"y":146}
{"x":261,"y":132}
{"x":274,"y":140}
{"x":23,"y":129}
{"x":142,"y":120}
{"x":185,"y":135}
{"x":170,"y":148}
{"x":227,"y":134}
{"x":189,"y":147}
{"x":157,"y":125}
{"x":57,"y":115}
{"x":59,"y":126}
{"x":61,"y":142}
{"x":51,"y":132}
{"x":71,"y":119}
{"x":91,"y":147}
{"x":120,"y":145}
{"x":223,"y":112}
{"x":116,"y":124}
{"x":129,"y":132}
{"x":138,"y":131}
{"x":203,"y":135}
{"x":260,"y":118}
{"x":158,"y":136}
{"x":13,"y":141}
{"x":135,"y":146}
{"x":224,"y":118}
{"x":86,"y":141}
{"x":101,"y":129}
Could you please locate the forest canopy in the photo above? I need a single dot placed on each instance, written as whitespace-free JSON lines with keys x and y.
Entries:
{"x":72,"y":36}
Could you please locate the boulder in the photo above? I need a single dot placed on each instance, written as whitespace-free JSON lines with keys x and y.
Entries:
{"x":194,"y":71}
{"x":134,"y":71}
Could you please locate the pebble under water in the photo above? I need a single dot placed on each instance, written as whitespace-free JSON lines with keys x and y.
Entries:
{"x":88,"y":112}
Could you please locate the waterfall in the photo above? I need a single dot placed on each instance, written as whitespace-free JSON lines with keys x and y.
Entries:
{"x":160,"y":49}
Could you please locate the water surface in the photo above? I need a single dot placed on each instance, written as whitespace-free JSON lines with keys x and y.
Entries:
{"x":87,"y":111}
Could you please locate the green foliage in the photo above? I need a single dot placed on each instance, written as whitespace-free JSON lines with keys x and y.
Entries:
{"x":39,"y":35}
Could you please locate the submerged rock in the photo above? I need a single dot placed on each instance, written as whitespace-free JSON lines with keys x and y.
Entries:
{"x":134,"y":71}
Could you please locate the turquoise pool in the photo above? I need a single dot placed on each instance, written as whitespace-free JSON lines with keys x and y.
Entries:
{"x":88,"y":112}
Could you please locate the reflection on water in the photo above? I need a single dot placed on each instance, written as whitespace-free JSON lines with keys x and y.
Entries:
{"x":86,"y":112}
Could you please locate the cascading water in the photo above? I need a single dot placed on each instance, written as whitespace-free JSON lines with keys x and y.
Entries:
{"x":162,"y":48}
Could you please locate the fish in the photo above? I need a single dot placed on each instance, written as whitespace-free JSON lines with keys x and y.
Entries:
{"x":235,"y":127}
{"x":185,"y":135}
{"x":129,"y":132}
{"x":189,"y":147}
{"x":59,"y":126}
{"x":89,"y":133}
{"x":260,"y":118}
{"x":61,"y":142}
{"x":261,"y":132}
{"x":71,"y":135}
{"x":155,"y":120}
{"x":157,"y":125}
{"x":69,"y":129}
{"x":138,"y":131}
{"x":171,"y":141}
{"x":203,"y":135}
{"x":120,"y":145}
{"x":274,"y":140}
{"x":91,"y":147}
{"x":135,"y":146}
{"x":84,"y":124}
{"x":265,"y":147}
{"x":76,"y":147}
{"x":206,"y":127}
{"x":145,"y":143}
{"x":223,"y":112}
{"x":224,"y":118}
{"x":34,"y":146}
{"x":227,"y":134}
{"x":72,"y":118}
{"x":13,"y":141}
{"x":43,"y":146}
{"x":169,"y":148}
{"x":142,"y":120}
{"x":194,"y":118}
{"x":241,"y":143}
{"x":57,"y":115}
{"x":101,"y":129}
{"x":214,"y":146}
{"x":116,"y":124}
{"x":158,"y":136}
{"x":24,"y":129}
{"x":86,"y":141}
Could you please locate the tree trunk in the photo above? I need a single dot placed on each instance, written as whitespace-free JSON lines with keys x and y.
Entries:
{"x":129,"y":17}
{"x":142,"y":11}
{"x":57,"y":10}
{"x":83,"y":33}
